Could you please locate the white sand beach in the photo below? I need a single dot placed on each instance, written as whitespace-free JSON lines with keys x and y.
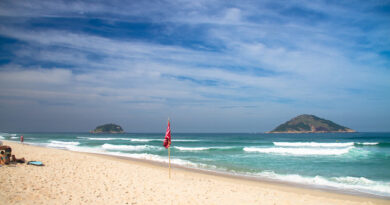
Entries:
{"x":80,"y":178}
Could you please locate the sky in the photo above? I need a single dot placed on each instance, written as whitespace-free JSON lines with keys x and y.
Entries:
{"x":208,"y":65}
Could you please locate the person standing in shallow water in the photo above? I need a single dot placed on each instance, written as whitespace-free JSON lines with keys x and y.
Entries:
{"x":21,"y":139}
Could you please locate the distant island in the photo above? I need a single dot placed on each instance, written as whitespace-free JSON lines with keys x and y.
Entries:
{"x":309,"y":124}
{"x":108,"y":128}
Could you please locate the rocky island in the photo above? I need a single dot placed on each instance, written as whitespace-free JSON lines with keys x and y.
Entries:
{"x":108,"y":128}
{"x":309,"y":124}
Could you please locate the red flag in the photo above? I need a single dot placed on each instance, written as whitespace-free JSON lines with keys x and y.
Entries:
{"x":167,"y":140}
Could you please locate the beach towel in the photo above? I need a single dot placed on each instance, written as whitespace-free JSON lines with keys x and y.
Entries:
{"x":36,"y":163}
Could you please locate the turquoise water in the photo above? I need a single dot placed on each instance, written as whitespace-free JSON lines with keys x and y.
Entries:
{"x":358,"y":162}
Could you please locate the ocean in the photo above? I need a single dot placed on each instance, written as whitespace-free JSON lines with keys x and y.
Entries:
{"x":347,"y":162}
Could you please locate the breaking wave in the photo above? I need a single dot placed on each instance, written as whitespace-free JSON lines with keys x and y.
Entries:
{"x":299,"y":151}
{"x":347,"y":183}
{"x":157,"y":158}
{"x":62,"y":144}
{"x":129,"y":147}
{"x":367,"y":143}
{"x":201,"y":148}
{"x":324,"y":144}
{"x":192,"y":148}
{"x":145,"y":140}
{"x":313,"y":144}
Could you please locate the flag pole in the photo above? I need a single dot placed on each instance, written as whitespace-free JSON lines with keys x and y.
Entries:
{"x":169,"y":155}
{"x":169,"y":158}
{"x":167,"y":145}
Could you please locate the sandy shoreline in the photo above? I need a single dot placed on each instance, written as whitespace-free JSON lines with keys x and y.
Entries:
{"x":82,"y":178}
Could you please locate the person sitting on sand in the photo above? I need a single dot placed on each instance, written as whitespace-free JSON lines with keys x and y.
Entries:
{"x":2,"y":158}
{"x":7,"y":150}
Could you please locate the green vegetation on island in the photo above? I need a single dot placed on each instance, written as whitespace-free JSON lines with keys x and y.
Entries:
{"x":309,"y":124}
{"x":108,"y":128}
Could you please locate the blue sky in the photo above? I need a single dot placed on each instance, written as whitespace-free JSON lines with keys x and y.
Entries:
{"x":211,"y":66}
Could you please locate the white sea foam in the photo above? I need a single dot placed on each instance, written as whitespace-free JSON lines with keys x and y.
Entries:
{"x":69,"y":146}
{"x":41,"y":144}
{"x":158,"y":158}
{"x":192,"y":148}
{"x":313,"y":144}
{"x":199,"y":148}
{"x":104,"y":149}
{"x":348,"y":183}
{"x":64,"y":143}
{"x":162,"y":139}
{"x":129,"y":147}
{"x":6,"y":135}
{"x":97,"y":150}
{"x":299,"y":151}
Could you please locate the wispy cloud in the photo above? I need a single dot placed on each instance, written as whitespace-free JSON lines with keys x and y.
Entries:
{"x":190,"y":59}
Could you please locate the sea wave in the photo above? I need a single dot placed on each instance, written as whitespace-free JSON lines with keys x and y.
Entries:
{"x":62,"y":144}
{"x":144,"y":140}
{"x":103,"y":138}
{"x":41,"y":144}
{"x":200,"y":148}
{"x":157,"y":158}
{"x":313,"y":144}
{"x":162,"y":139}
{"x":324,"y":144}
{"x":10,"y":136}
{"x":129,"y":147}
{"x":367,"y":143}
{"x":299,"y":151}
{"x":4,"y":134}
{"x":185,"y":140}
{"x":192,"y":148}
{"x":347,"y":183}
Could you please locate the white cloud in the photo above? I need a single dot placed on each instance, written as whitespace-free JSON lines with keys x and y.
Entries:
{"x":264,"y":60}
{"x":37,"y":76}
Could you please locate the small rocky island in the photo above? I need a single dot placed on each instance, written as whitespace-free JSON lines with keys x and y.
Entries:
{"x":108,"y":128}
{"x":309,"y":124}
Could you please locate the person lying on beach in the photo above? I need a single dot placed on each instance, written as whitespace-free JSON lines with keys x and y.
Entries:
{"x":20,"y":160}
